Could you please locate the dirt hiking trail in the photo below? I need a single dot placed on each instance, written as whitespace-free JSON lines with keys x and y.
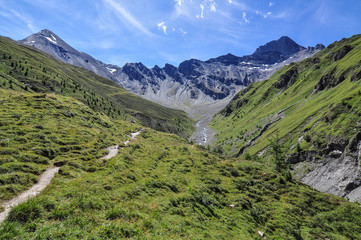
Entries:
{"x":45,"y":179}
{"x":113,"y":150}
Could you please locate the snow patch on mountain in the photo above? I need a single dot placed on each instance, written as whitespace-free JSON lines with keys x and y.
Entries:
{"x":51,"y":40}
{"x":111,"y":70}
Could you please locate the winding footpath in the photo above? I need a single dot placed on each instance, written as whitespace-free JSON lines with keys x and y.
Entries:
{"x":113,"y":150}
{"x":45,"y":179}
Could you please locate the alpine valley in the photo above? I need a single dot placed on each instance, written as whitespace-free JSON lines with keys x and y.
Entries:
{"x":122,"y":166}
{"x":201,"y":88}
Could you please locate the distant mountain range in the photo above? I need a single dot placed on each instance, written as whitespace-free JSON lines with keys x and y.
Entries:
{"x":193,"y":82}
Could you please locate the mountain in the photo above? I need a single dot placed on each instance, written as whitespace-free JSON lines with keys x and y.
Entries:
{"x":273,"y":52}
{"x":276,"y":51}
{"x":193,"y":82}
{"x":27,"y":69}
{"x":313,"y":108}
{"x":157,"y":187}
{"x":49,"y":42}
{"x":201,"y":88}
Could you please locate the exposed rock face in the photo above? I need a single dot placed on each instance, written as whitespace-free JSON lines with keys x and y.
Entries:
{"x":287,"y":79}
{"x":329,"y":80}
{"x":193,"y":82}
{"x":335,"y":170}
{"x":356,"y":76}
{"x":341,"y":53}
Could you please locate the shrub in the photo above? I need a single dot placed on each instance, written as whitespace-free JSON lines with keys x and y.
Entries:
{"x":279,"y":157}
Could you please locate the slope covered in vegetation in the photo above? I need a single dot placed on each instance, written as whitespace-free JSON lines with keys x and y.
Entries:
{"x":39,"y":130}
{"x":157,"y":187}
{"x":24,"y":68}
{"x":313,"y":107}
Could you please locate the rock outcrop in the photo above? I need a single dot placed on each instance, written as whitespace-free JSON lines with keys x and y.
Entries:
{"x":335,"y":170}
{"x":287,"y":79}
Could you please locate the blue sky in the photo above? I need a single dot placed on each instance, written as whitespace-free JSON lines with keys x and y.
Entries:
{"x":161,"y":31}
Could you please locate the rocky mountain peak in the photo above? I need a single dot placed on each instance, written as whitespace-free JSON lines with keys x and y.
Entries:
{"x":227,"y":60}
{"x":319,"y":46}
{"x":188,"y":67}
{"x":275,"y":51}
{"x":169,"y":68}
{"x":285,"y":45}
{"x":47,"y":41}
{"x":46,"y":32}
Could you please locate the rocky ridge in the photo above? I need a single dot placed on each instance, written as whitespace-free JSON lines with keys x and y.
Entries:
{"x":193,"y":82}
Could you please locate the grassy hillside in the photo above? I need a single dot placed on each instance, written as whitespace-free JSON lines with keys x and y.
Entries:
{"x":158,"y":187}
{"x":312,"y":106}
{"x":23,"y":68}
{"x":39,"y":130}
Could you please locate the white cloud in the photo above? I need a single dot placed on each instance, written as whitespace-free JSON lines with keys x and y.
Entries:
{"x":213,"y":7}
{"x":183,"y":32}
{"x":241,"y":6}
{"x":202,"y":12}
{"x":271,"y":4}
{"x":32,"y":27}
{"x":106,"y":44}
{"x":122,"y":13}
{"x":179,"y":2}
{"x":16,"y":16}
{"x":264,"y":15}
{"x":244,"y":18}
{"x":21,"y":25}
{"x":163,"y":27}
{"x":282,"y":15}
{"x":230,"y":1}
{"x":182,"y":10}
{"x":207,"y":5}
